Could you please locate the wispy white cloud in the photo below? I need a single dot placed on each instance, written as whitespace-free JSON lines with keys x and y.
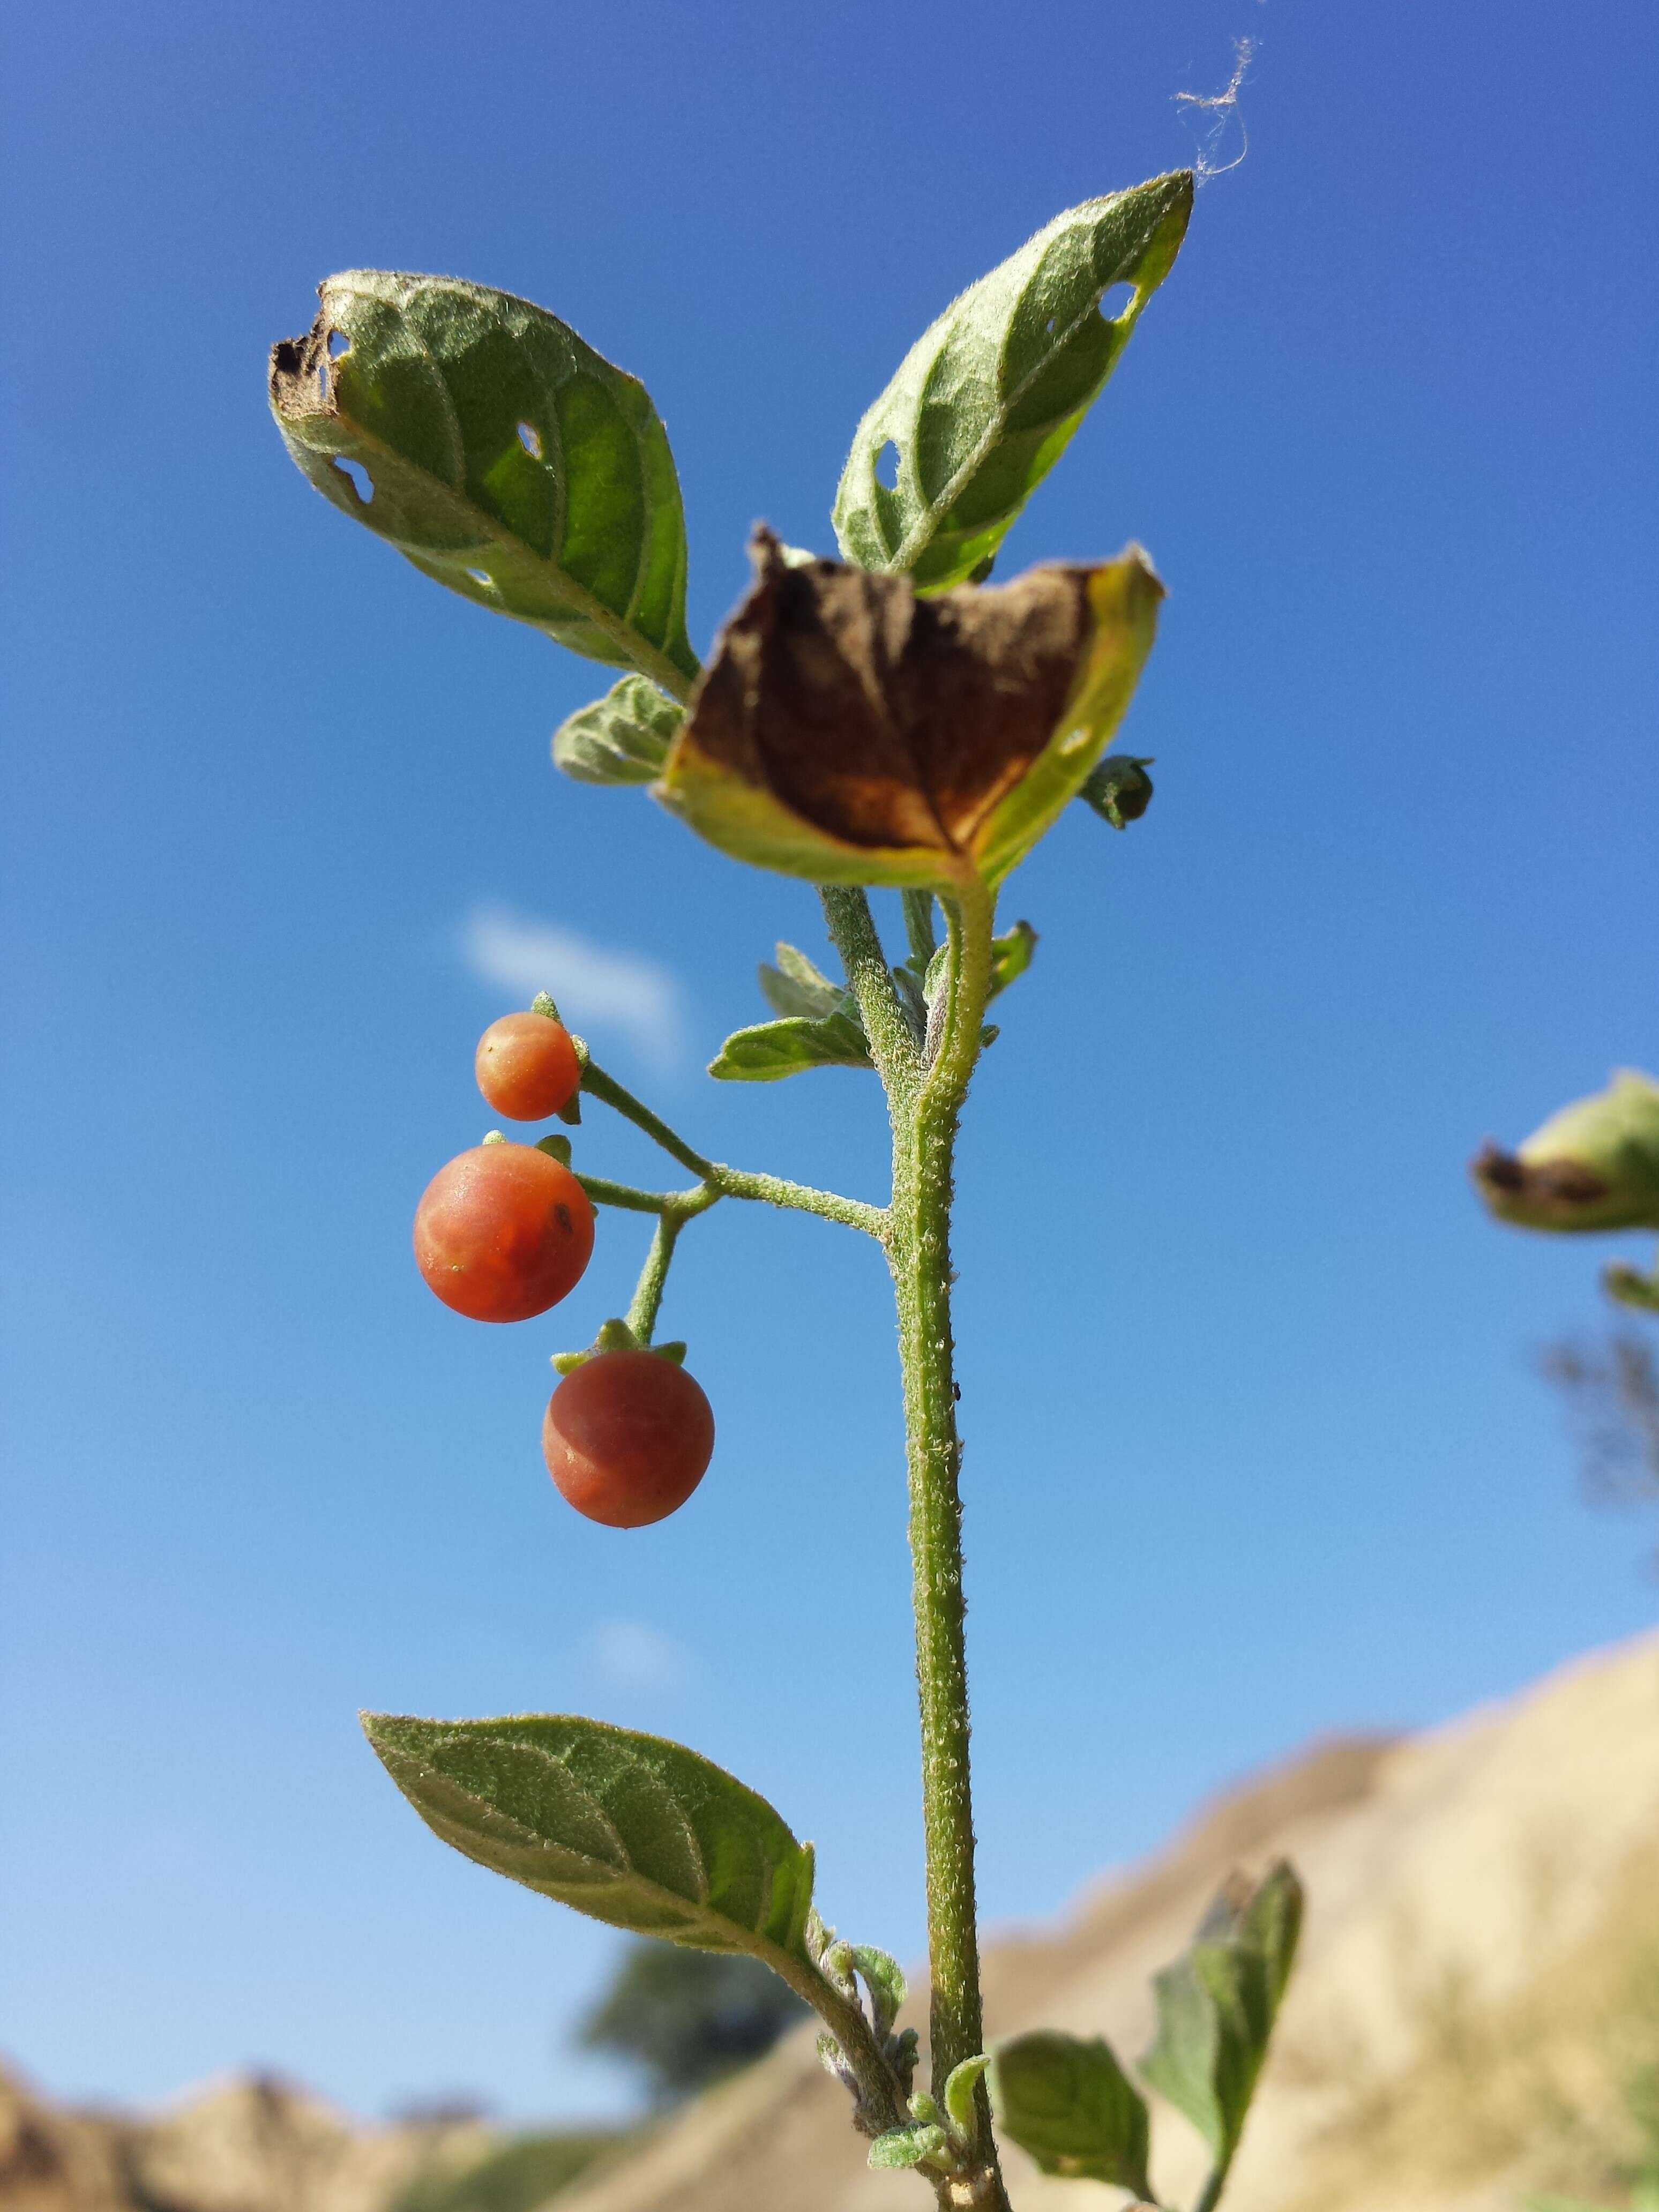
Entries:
{"x":596,"y":988}
{"x":635,"y":1657}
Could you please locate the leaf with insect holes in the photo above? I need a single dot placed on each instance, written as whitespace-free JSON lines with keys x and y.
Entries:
{"x":500,"y":454}
{"x":850,"y":732}
{"x":990,"y":395}
{"x":621,"y":738}
{"x":1216,"y":2005}
{"x":1070,"y":2105}
{"x":629,"y":1829}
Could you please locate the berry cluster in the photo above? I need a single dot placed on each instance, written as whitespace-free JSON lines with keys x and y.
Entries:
{"x":506,"y":1230}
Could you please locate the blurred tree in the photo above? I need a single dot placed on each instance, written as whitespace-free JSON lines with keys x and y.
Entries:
{"x":1612,"y":1391}
{"x":515,"y":2176}
{"x":688,"y":2018}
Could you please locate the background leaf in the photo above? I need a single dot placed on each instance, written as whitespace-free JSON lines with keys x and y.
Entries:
{"x":795,"y":986}
{"x":1216,"y":2005}
{"x":505,"y":457}
{"x":771,"y":1051}
{"x":988,"y":398}
{"x":621,"y":738}
{"x":1070,"y":2105}
{"x":627,"y":1828}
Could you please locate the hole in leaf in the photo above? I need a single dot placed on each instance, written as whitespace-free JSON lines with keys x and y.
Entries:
{"x":322,"y":381}
{"x":1048,"y":327}
{"x":1115,"y":301}
{"x":337,"y":343}
{"x":531,"y":438}
{"x":887,"y":466}
{"x":358,"y":477}
{"x":481,"y":576}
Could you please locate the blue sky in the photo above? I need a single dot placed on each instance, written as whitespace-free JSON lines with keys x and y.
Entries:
{"x":1254,"y":1451}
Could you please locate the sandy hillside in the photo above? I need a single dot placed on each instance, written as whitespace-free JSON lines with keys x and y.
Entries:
{"x":1480,"y":1978}
{"x":1479,"y":1991}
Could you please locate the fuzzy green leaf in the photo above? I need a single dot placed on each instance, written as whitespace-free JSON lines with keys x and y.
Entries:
{"x":505,"y":457}
{"x":960,"y":2089}
{"x":796,"y":985}
{"x":1070,"y":2105}
{"x":1216,"y":2005}
{"x":630,"y":1830}
{"x":988,"y":398}
{"x":910,"y":2146}
{"x":621,"y":738}
{"x":771,"y":1051}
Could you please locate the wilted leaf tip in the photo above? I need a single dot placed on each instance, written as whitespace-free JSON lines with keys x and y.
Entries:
{"x":850,"y":729}
{"x":301,"y":372}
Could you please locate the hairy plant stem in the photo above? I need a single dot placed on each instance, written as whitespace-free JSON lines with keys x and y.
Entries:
{"x":925,"y":1104}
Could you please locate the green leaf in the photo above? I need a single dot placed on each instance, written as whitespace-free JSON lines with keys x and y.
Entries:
{"x":630,"y":1830}
{"x":771,"y":1051}
{"x":795,"y":986}
{"x":505,"y":457}
{"x":1070,"y":2105}
{"x":621,"y":738}
{"x":1216,"y":2005}
{"x":910,"y":2146}
{"x":1011,"y":955}
{"x":988,"y":398}
{"x":959,"y":2090}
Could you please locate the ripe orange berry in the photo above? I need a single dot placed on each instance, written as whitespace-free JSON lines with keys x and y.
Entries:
{"x":627,"y":1437}
{"x":504,"y":1232}
{"x":527,"y":1067}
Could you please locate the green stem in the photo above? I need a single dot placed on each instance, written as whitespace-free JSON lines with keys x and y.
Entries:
{"x":925,"y":1112}
{"x":604,"y":1192}
{"x":853,"y":931}
{"x":801,"y":1198}
{"x":653,"y":1276}
{"x":598,"y":1084}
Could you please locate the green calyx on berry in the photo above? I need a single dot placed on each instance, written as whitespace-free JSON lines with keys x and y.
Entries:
{"x":613,"y":1336}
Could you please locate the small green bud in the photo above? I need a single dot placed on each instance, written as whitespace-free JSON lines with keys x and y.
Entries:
{"x":556,"y":1148}
{"x":1594,"y":1165}
{"x":1119,"y":790}
{"x":543,"y":1004}
{"x":492,"y":1137}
